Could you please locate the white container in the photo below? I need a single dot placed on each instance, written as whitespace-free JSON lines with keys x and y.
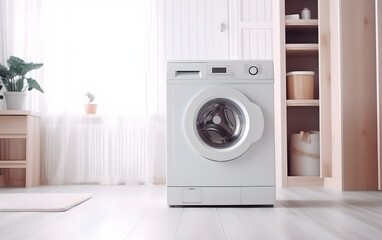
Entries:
{"x":305,"y":13}
{"x":304,"y":154}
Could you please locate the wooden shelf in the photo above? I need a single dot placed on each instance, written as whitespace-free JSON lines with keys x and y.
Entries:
{"x":301,"y":23}
{"x":303,"y":103}
{"x":13,"y":164}
{"x":19,"y":113}
{"x":10,"y":136}
{"x":297,"y":49}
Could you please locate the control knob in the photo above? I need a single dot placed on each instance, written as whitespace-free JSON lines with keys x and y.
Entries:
{"x":253,"y":70}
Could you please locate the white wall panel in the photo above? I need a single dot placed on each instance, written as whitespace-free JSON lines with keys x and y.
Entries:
{"x":193,"y":29}
{"x":176,"y":24}
{"x":245,"y":37}
{"x":254,"y":29}
{"x":187,"y":22}
{"x":169,"y":27}
{"x":268,"y":41}
{"x":252,"y":44}
{"x":220,"y":30}
{"x":202,"y":30}
{"x":210,"y":31}
{"x":260,"y":11}
{"x":247,"y":6}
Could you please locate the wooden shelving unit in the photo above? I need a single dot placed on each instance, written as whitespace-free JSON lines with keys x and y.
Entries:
{"x":19,"y":149}
{"x":302,"y":54}
{"x":301,"y":49}
{"x":338,"y":44}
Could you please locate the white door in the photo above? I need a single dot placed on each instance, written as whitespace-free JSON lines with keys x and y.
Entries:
{"x":251,"y":29}
{"x":196,"y":29}
{"x":222,"y":123}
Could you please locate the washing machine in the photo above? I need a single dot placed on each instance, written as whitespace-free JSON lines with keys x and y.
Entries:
{"x":220,"y":133}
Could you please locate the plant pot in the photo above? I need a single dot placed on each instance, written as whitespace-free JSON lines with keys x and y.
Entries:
{"x":90,"y":108}
{"x":15,"y":100}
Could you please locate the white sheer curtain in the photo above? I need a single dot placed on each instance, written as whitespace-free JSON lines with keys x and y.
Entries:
{"x":106,"y":47}
{"x":21,"y":36}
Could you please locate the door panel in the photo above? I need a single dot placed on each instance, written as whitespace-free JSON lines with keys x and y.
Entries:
{"x":197,"y":29}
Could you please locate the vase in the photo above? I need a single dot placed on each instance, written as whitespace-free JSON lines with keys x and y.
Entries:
{"x":15,"y":100}
{"x":90,"y":108}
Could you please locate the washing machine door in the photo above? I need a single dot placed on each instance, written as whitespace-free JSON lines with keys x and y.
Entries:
{"x":222,"y":123}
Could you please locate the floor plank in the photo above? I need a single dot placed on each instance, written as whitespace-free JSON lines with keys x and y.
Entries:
{"x":243,"y":224}
{"x":139,"y":212}
{"x":160,"y":222}
{"x":199,"y":223}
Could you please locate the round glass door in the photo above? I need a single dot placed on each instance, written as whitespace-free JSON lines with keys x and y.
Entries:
{"x":220,"y":123}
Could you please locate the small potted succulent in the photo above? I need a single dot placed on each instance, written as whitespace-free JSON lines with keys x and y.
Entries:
{"x":16,"y":83}
{"x":90,"y":106}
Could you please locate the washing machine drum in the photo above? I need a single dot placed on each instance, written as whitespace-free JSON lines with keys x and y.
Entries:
{"x":222,"y":123}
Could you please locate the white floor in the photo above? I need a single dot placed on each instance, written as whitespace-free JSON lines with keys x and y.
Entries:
{"x":140,"y":212}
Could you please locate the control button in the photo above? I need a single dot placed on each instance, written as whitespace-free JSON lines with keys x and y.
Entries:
{"x":253,"y":70}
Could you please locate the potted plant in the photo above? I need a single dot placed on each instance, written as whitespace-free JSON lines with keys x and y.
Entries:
{"x":90,"y":106}
{"x":16,"y":83}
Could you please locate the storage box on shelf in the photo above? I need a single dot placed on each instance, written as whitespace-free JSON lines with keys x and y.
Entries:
{"x":19,"y":149}
{"x":300,"y":85}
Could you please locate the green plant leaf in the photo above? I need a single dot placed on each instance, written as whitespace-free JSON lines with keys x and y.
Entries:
{"x":19,"y":67}
{"x":14,"y":78}
{"x":4,"y":72}
{"x":19,"y":84}
{"x":6,"y":76}
{"x":33,"y":84}
{"x":90,"y":96}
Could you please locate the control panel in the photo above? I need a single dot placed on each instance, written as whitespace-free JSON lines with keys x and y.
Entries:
{"x":221,"y":70}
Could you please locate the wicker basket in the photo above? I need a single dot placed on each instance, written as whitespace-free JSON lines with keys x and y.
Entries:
{"x":300,"y":84}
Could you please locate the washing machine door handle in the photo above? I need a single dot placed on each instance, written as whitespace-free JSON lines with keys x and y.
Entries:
{"x":256,"y":122}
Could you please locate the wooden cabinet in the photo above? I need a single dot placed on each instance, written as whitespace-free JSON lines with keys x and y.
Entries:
{"x":300,"y":45}
{"x":19,"y":149}
{"x":354,"y":100}
{"x":344,"y":107}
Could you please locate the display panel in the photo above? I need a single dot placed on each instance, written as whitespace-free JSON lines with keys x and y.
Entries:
{"x":219,"y":70}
